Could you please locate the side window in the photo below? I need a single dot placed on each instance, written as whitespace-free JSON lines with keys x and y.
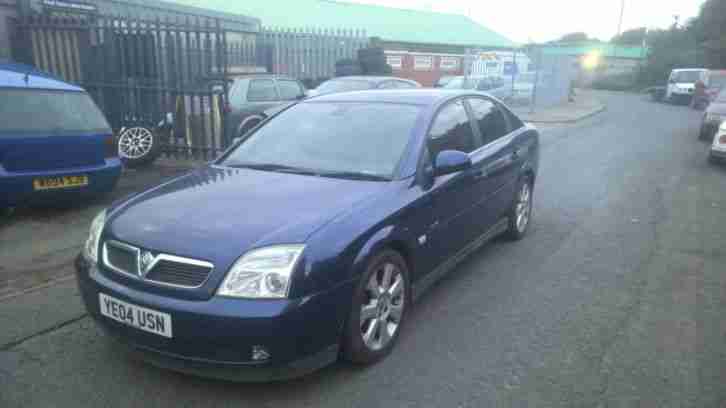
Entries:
{"x":514,"y":122}
{"x":289,"y":90}
{"x":451,"y":130}
{"x":236,"y":94}
{"x":388,"y":85}
{"x":490,"y":119}
{"x":262,"y":90}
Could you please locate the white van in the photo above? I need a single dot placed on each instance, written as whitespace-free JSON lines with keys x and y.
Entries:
{"x":682,"y":84}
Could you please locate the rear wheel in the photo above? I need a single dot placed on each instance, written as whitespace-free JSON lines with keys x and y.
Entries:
{"x":379,"y":308}
{"x":520,"y":214}
{"x":138,"y":146}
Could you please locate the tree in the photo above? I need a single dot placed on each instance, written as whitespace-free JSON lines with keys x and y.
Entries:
{"x":634,"y":36}
{"x":573,"y":37}
{"x":710,"y":26}
{"x":676,"y":47}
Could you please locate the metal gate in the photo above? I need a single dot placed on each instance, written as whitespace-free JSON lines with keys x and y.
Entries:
{"x":144,"y":72}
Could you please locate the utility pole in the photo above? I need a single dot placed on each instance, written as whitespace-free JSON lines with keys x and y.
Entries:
{"x":620,"y":27}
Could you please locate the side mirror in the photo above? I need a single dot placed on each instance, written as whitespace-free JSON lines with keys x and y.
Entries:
{"x":671,"y":81}
{"x":451,"y":161}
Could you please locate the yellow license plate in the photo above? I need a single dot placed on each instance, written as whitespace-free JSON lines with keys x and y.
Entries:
{"x":50,"y":183}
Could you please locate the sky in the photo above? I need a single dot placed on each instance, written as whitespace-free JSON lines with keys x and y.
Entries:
{"x":544,"y":20}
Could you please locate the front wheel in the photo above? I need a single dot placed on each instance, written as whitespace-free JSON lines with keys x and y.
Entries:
{"x":380,"y":305}
{"x":520,"y":214}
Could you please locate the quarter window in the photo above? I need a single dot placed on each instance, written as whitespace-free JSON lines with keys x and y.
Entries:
{"x":262,"y":90}
{"x":491,"y":122}
{"x":452,"y":130}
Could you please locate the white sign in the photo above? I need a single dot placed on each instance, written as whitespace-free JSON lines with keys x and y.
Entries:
{"x":423,"y":63}
{"x":449,"y":63}
{"x":395,"y":61}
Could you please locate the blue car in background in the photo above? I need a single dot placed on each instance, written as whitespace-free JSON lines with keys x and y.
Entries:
{"x":310,"y":237}
{"x":55,"y":144}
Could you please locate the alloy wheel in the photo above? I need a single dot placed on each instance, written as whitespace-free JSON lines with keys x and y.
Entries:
{"x":524,"y":207}
{"x":135,"y":142}
{"x":382,"y":310}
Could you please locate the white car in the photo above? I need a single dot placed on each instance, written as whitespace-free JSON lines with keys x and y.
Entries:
{"x":718,"y":147}
{"x":682,"y":84}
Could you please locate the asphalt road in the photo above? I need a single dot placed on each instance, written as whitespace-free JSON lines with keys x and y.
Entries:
{"x":615,"y":299}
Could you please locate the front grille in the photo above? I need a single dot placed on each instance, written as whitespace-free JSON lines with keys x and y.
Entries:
{"x":161,"y":269}
{"x":122,"y":258}
{"x":177,"y":273}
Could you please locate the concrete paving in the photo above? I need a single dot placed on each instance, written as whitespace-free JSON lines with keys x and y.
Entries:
{"x":586,"y":104}
{"x":615,"y":299}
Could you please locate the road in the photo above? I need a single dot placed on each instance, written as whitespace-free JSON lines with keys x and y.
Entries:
{"x":615,"y":299}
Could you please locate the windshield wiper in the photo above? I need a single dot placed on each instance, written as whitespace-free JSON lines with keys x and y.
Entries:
{"x":274,"y":167}
{"x":354,"y":175}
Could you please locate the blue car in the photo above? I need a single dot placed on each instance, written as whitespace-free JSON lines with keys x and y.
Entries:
{"x":55,"y":144}
{"x":310,"y":237}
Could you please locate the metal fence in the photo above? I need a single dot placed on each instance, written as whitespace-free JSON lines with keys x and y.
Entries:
{"x":141,"y":72}
{"x":524,"y":78}
{"x":310,"y":54}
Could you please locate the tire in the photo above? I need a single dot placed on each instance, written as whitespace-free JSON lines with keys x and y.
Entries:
{"x":355,"y":348}
{"x":139,"y":146}
{"x":702,"y":134}
{"x":515,"y":229}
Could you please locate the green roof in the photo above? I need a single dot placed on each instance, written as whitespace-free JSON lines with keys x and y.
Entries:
{"x":604,"y":49}
{"x":390,"y":24}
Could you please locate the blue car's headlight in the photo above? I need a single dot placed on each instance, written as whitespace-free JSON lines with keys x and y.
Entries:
{"x":90,"y":249}
{"x":262,"y":273}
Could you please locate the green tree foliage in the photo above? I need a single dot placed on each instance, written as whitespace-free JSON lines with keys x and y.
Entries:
{"x":574,"y":37}
{"x":676,"y":47}
{"x":630,"y":37}
{"x":711,"y":24}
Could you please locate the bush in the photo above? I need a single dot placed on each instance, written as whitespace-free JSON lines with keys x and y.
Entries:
{"x":616,"y":82}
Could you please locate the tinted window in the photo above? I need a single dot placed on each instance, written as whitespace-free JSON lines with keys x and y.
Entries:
{"x":344,"y":85}
{"x":451,"y":130}
{"x":262,"y":90}
{"x":492,"y":124}
{"x":289,"y":90}
{"x":236,"y":94}
{"x":367,"y":138}
{"x":49,"y":112}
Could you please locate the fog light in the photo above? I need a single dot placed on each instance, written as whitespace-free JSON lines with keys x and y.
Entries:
{"x":260,"y":353}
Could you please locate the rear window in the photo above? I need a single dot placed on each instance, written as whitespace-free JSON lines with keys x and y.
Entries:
{"x":49,"y":112}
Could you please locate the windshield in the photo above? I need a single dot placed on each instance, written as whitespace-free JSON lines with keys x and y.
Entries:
{"x":686,"y":76}
{"x":363,"y":138}
{"x":49,"y":112}
{"x":344,"y":85}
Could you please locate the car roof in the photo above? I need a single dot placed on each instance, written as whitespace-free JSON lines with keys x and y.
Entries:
{"x":419,"y":96}
{"x":373,"y":78}
{"x":13,"y":75}
{"x":262,"y":76}
{"x":689,"y":69}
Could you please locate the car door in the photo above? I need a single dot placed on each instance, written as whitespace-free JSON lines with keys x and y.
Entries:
{"x":501,"y":156}
{"x":454,"y":196}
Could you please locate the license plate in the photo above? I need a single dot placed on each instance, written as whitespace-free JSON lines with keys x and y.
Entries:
{"x":136,"y":316}
{"x":49,"y":183}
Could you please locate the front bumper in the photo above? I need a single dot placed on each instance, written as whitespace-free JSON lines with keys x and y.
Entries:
{"x":214,"y":338}
{"x":17,"y":187}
